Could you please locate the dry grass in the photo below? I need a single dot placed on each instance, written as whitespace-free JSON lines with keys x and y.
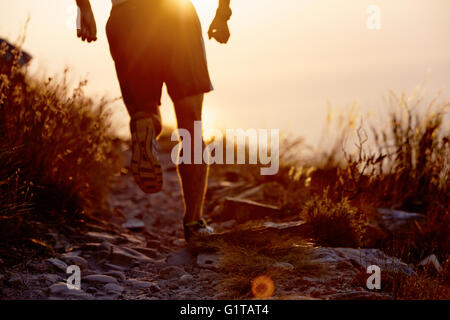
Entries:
{"x":57,"y":154}
{"x":334,"y":224}
{"x":404,"y":165}
{"x":243,"y":261}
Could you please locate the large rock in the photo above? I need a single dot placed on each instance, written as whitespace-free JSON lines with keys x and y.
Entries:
{"x":396,"y":221}
{"x":351,"y":261}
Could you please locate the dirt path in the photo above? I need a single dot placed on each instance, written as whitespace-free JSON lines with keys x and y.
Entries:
{"x":139,"y":253}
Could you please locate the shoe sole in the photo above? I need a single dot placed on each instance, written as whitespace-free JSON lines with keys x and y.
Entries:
{"x":145,"y":165}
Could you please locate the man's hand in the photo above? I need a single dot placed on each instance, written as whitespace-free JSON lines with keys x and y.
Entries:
{"x":87,"y":29}
{"x":219,"y":30}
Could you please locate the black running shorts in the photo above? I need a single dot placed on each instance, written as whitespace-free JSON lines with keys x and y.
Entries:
{"x":154,"y":42}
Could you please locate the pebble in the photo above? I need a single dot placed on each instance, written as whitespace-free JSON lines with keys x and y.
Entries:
{"x":116,"y":274}
{"x":134,"y":224}
{"x":58,"y":264}
{"x":51,"y":278}
{"x":186,"y":279}
{"x":171,"y":272}
{"x":99,"y":278}
{"x":153,"y":243}
{"x":209,"y":261}
{"x":285,"y":266}
{"x":139,"y":284}
{"x":62,"y":291}
{"x":100,"y":237}
{"x":114,"y":266}
{"x":180,"y":257}
{"x":113,"y":288}
{"x":16,"y":280}
{"x":125,"y":257}
{"x":179,"y":242}
{"x":149,"y":252}
{"x":75,"y":260}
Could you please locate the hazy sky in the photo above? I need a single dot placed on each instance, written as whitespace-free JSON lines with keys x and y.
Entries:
{"x":286,"y":60}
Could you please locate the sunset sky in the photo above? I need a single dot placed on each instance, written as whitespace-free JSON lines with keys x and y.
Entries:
{"x":285,"y":62}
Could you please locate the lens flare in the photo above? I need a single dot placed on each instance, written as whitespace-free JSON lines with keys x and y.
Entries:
{"x":263,"y":287}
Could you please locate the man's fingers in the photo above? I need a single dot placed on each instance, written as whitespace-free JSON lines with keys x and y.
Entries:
{"x":210,"y":32}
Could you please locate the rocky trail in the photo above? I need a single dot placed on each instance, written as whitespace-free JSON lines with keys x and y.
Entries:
{"x":139,"y":252}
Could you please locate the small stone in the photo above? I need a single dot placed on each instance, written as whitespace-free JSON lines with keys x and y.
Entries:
{"x":16,"y":280}
{"x":139,"y":284}
{"x":186,"y":279}
{"x":62,"y":291}
{"x":151,"y":253}
{"x":180,"y":257}
{"x":51,"y":278}
{"x":59,"y":288}
{"x":179,"y":242}
{"x":153,"y":243}
{"x":58,"y":264}
{"x":285,"y":266}
{"x":125,"y":257}
{"x":100,"y":237}
{"x":99,"y":279}
{"x":113,"y":266}
{"x":107,"y":246}
{"x":91,"y":290}
{"x":171,"y":272}
{"x":207,"y":275}
{"x":208,"y":261}
{"x":172,"y":286}
{"x":75,"y":260}
{"x":134,"y":224}
{"x":113,"y":288}
{"x":116,"y":274}
{"x":434,"y":261}
{"x":154,"y":288}
{"x":135,"y":239}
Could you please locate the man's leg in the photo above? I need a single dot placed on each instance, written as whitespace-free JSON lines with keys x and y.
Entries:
{"x":193,"y":177}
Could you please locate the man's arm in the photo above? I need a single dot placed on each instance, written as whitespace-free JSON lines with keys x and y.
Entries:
{"x":87,"y":30}
{"x":219,"y":27}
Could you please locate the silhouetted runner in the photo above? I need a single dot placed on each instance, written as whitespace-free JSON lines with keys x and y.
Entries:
{"x":154,"y":42}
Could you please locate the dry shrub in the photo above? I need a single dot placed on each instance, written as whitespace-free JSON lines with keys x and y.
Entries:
{"x":420,"y":287}
{"x":243,"y":261}
{"x":57,"y":154}
{"x":334,"y":223}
